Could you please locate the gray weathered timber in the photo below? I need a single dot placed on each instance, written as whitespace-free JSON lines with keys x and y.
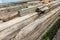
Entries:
{"x":40,"y":29}
{"x":40,"y":37}
{"x":49,"y":7}
{"x":54,"y":6}
{"x":15,"y":21}
{"x":6,"y":13}
{"x":26,"y":11}
{"x":29,"y":29}
{"x":11,"y":11}
{"x":8,"y":16}
{"x":6,"y":33}
{"x":12,"y":8}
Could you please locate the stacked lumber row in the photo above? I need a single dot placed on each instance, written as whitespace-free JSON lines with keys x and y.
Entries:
{"x":8,"y":13}
{"x":21,"y":12}
{"x":15,"y":25}
{"x":28,"y":27}
{"x":48,"y":7}
{"x":12,"y":8}
{"x":32,"y":9}
{"x":33,"y":30}
{"x":2,"y":5}
{"x":23,"y":5}
{"x":17,"y":7}
{"x":5,"y":16}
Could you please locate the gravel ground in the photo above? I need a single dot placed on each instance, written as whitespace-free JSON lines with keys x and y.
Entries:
{"x":57,"y":36}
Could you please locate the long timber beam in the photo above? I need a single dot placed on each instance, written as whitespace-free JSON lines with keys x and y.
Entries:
{"x":16,"y":24}
{"x":31,"y":25}
{"x":25,"y":11}
{"x":8,"y":29}
{"x":33,"y":30}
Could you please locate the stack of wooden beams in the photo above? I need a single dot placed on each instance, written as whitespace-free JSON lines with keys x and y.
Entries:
{"x":12,"y":12}
{"x":29,"y":26}
{"x":33,"y":30}
{"x":8,"y":13}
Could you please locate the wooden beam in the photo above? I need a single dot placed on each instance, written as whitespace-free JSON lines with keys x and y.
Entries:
{"x":14,"y":21}
{"x":17,"y":24}
{"x":41,"y":28}
{"x":9,"y":10}
{"x":8,"y":16}
{"x":29,"y":29}
{"x":26,"y":11}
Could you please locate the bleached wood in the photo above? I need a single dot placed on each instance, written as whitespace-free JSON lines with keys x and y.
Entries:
{"x":8,"y":16}
{"x":22,"y":27}
{"x":41,"y":28}
{"x":7,"y":33}
{"x":15,"y":21}
{"x":26,"y":11}
{"x":31,"y":27}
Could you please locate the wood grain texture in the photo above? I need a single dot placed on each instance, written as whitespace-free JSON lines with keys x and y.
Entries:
{"x":31,"y":27}
{"x":7,"y":33}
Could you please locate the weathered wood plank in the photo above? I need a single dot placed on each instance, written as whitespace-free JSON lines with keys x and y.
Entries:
{"x":26,"y":11}
{"x":31,"y":27}
{"x":15,"y":21}
{"x":33,"y":8}
{"x":8,"y":16}
{"x":7,"y":32}
{"x":4,"y":16}
{"x":19,"y":26}
{"x":54,"y":6}
{"x":11,"y":10}
{"x":41,"y":28}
